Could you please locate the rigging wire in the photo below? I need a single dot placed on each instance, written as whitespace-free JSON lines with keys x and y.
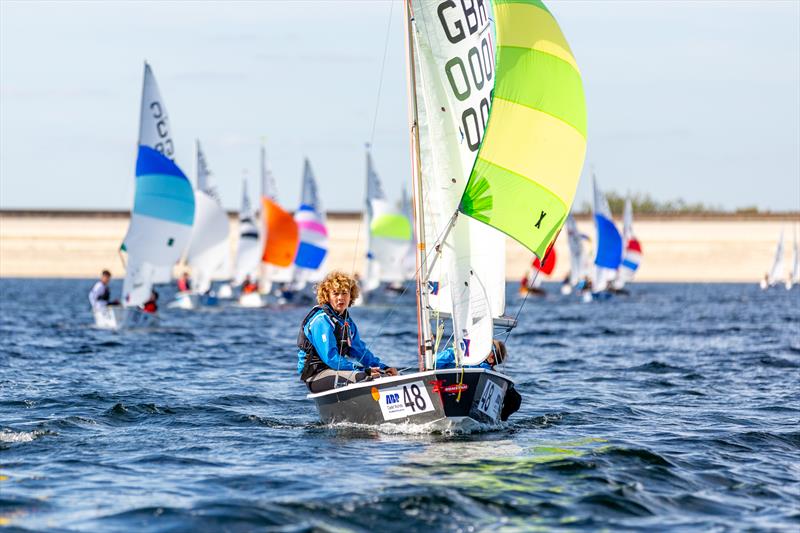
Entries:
{"x":375,"y":119}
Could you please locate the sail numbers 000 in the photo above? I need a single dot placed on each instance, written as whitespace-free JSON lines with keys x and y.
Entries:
{"x":474,"y":71}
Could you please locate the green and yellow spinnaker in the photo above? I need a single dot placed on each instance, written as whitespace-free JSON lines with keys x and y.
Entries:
{"x":529,"y":162}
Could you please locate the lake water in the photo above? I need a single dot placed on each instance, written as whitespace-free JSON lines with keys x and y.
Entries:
{"x":677,"y":407}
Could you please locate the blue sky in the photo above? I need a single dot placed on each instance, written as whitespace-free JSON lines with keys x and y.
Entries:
{"x":699,"y":100}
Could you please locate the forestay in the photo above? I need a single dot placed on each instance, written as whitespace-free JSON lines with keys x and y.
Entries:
{"x":164,"y":206}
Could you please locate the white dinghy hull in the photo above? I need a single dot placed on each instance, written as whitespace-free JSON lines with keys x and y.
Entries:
{"x":116,"y":318}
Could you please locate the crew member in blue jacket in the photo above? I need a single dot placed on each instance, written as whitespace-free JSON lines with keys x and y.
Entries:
{"x":331,"y":352}
{"x":447,"y":357}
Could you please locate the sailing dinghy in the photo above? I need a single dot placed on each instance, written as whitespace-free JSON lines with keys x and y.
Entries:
{"x":608,"y":255}
{"x":632,"y":250}
{"x":578,"y":259}
{"x":476,"y":178}
{"x":248,"y":253}
{"x":281,"y":236}
{"x":775,"y":273}
{"x":794,"y":277}
{"x":388,"y":237}
{"x":312,"y":240}
{"x":208,"y":253}
{"x":162,"y":216}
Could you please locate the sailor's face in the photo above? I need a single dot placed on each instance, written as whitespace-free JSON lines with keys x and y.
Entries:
{"x":105,"y":279}
{"x":339,"y":300}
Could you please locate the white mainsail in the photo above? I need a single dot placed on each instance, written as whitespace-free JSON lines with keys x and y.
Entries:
{"x":388,"y":235}
{"x":608,"y":254}
{"x":208,"y":253}
{"x":248,"y":254}
{"x":163,"y":210}
{"x":466,"y":277}
{"x":795,"y":279}
{"x":775,"y":273}
{"x":577,"y":256}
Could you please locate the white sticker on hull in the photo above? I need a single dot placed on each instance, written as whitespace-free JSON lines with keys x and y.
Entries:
{"x":491,"y":400}
{"x":406,"y":400}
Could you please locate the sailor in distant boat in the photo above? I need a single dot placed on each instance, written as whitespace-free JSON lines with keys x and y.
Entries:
{"x":184,"y":283}
{"x":248,"y":285}
{"x":447,"y":358}
{"x":100,"y":295}
{"x":150,"y":306}
{"x":331,"y":351}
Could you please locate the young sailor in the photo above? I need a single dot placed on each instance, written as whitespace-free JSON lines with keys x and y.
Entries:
{"x":331,"y":351}
{"x":100,"y":295}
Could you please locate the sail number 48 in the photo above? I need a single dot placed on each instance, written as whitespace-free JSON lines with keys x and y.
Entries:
{"x":418,"y":402}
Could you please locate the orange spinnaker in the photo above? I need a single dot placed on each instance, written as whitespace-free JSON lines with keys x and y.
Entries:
{"x":282,"y":235}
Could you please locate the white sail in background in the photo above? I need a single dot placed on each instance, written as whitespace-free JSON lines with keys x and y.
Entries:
{"x":163,"y":211}
{"x":388,"y":235}
{"x":208,"y":250}
{"x":410,"y":259}
{"x":795,"y":278}
{"x":468,"y":278}
{"x":776,"y":270}
{"x":577,"y":256}
{"x":248,"y":254}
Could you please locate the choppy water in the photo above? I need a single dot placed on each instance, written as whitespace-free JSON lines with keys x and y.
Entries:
{"x":676,"y":408}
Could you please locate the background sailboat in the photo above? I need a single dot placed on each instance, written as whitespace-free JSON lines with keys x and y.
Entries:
{"x":163,"y":209}
{"x":533,"y":279}
{"x":388,"y":236}
{"x":608,"y":255}
{"x":209,"y":251}
{"x":312,"y":233}
{"x":249,"y":251}
{"x":579,"y":261}
{"x":775,"y":273}
{"x":632,"y":249}
{"x":794,"y":277}
{"x":280,"y":232}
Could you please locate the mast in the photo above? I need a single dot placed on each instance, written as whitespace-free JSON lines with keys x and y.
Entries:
{"x":425,"y":344}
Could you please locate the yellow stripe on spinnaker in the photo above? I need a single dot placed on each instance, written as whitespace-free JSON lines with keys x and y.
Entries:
{"x":528,"y":26}
{"x":538,"y":146}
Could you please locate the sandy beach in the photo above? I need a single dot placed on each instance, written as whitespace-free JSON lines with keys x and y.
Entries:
{"x":719,"y":249}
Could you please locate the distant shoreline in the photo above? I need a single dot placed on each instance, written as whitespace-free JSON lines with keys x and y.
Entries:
{"x":789,"y":216}
{"x":719,"y":248}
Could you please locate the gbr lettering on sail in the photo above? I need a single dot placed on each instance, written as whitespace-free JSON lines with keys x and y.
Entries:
{"x":466,"y":24}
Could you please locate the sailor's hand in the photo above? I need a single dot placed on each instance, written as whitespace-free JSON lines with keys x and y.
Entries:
{"x":374,"y":372}
{"x":391,"y":371}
